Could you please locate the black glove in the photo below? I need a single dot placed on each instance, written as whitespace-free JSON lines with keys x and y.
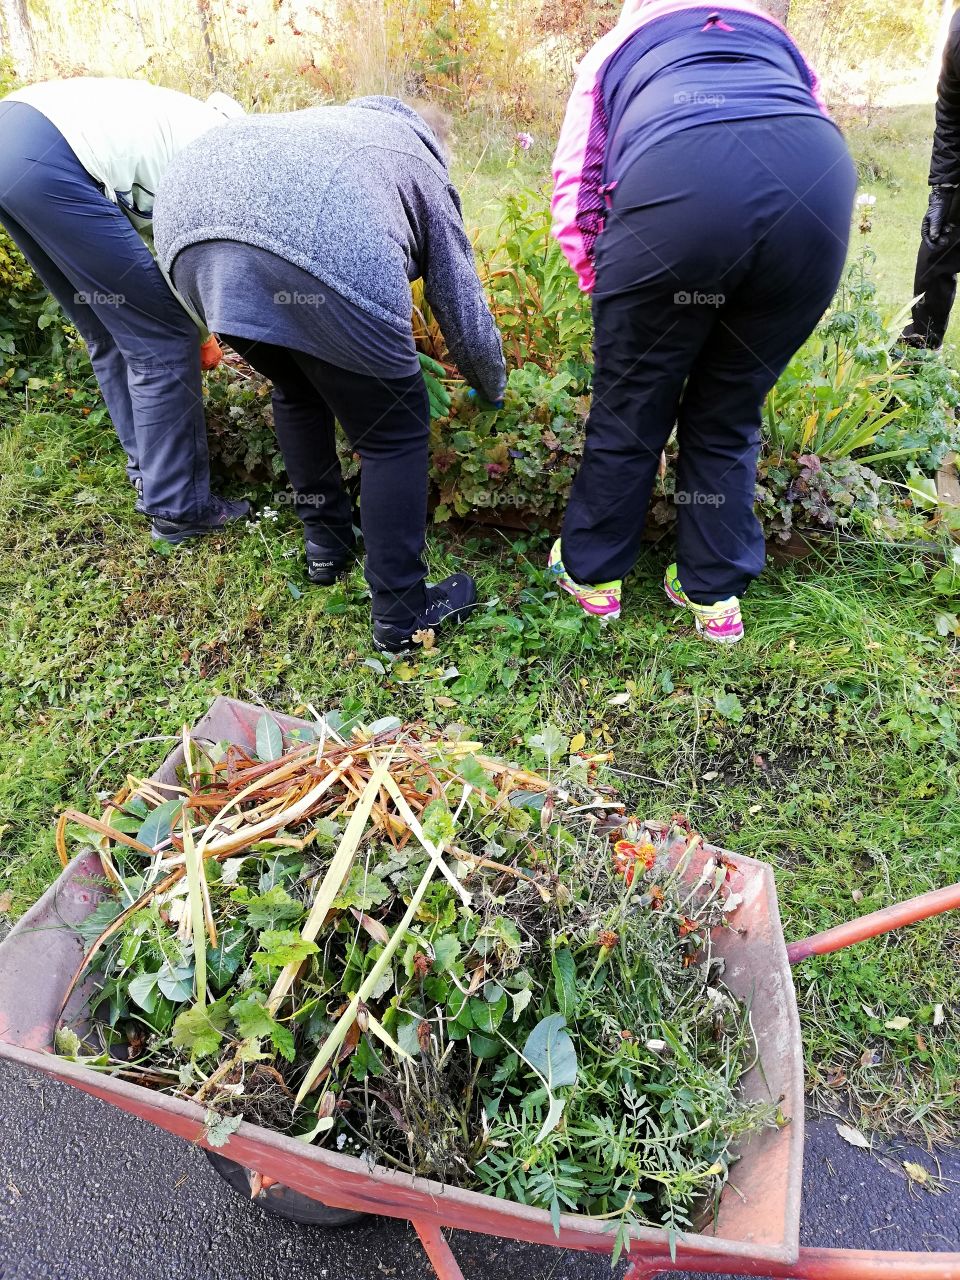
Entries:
{"x":938,"y":211}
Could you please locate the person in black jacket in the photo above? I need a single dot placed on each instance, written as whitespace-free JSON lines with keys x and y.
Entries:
{"x":938,"y":262}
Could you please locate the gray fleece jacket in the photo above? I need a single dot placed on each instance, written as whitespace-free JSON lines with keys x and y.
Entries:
{"x":358,"y":195}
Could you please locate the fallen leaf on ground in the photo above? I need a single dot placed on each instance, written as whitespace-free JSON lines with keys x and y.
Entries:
{"x":853,"y":1136}
{"x":578,"y":742}
{"x":897,"y":1024}
{"x":443,"y":701}
{"x":6,"y":902}
{"x":938,"y":1015}
{"x":921,"y":1176}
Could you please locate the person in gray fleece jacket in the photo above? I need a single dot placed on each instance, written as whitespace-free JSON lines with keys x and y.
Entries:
{"x":296,"y":239}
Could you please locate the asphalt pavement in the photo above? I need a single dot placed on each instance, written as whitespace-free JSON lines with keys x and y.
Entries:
{"x":89,"y":1193}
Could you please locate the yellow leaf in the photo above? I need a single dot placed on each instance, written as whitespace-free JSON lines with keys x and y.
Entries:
{"x":916,"y":1172}
{"x":809,"y":428}
{"x":578,"y":742}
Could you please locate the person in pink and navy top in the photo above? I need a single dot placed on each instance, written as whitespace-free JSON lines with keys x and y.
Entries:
{"x":703,"y":197}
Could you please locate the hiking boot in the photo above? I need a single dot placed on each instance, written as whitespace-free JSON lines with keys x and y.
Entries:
{"x":325,"y":566}
{"x":138,"y":501}
{"x":449,"y":602}
{"x":601,"y":600}
{"x":720,"y":622}
{"x":221,"y":512}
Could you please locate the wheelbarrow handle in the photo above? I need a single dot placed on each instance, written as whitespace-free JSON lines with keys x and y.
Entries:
{"x":822,"y":1264}
{"x":845,"y":935}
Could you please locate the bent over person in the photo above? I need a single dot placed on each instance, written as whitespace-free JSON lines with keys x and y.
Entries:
{"x":703,"y":198}
{"x":296,"y":241}
{"x":938,"y":261}
{"x":80,"y":162}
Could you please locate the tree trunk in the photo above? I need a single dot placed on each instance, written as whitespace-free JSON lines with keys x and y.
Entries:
{"x":779,"y":9}
{"x":206,"y":31}
{"x":19,"y":36}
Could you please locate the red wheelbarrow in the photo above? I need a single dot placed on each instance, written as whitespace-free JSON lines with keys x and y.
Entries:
{"x":756,"y":1230}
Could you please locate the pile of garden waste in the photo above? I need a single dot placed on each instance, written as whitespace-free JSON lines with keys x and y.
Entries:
{"x":387,"y":943}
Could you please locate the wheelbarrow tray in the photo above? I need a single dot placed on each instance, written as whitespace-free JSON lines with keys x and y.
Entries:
{"x":758,"y":1218}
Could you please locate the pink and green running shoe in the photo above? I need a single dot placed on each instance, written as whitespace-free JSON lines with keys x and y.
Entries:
{"x":720,"y":622}
{"x":601,"y":599}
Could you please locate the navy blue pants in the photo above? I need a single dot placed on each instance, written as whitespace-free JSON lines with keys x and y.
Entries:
{"x":387,"y":421}
{"x":144,"y":348}
{"x":723,"y":247}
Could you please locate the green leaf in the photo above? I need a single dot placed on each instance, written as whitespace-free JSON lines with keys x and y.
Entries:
{"x":269,"y":739}
{"x":486,"y":1016}
{"x":143,"y":991}
{"x":266,"y":910}
{"x":520,"y":1001}
{"x":199,"y":1030}
{"x":527,"y":799}
{"x":254,"y":1021}
{"x":159,"y":822}
{"x":553,"y":1119}
{"x":95,"y":923}
{"x":176,"y":982}
{"x":280,"y":947}
{"x":549,"y":1050}
{"x":386,"y":724}
{"x":67,"y":1042}
{"x":565,"y":981}
{"x":363,"y":890}
{"x":458,"y":1008}
{"x":482,"y":1046}
{"x":504,"y":931}
{"x":223,"y":961}
{"x":549,"y":742}
{"x":470,"y":770}
{"x":446,"y":951}
{"x":438,"y":824}
{"x":729,"y":706}
{"x":251,"y":1015}
{"x":219,"y":1128}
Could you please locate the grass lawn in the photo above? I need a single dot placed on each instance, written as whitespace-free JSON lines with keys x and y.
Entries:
{"x":893,"y":157}
{"x":827,"y":743}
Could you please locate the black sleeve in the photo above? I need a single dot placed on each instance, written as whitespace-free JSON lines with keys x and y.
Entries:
{"x":945,"y":161}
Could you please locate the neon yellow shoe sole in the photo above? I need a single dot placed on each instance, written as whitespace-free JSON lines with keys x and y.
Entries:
{"x":721,"y":623}
{"x":601,"y":600}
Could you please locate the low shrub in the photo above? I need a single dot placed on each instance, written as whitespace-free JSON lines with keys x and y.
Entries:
{"x":852,"y":431}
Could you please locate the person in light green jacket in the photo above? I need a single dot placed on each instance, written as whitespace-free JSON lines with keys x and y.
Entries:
{"x":80,"y":163}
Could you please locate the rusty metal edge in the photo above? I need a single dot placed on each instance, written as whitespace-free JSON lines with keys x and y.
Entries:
{"x":402,"y":1197}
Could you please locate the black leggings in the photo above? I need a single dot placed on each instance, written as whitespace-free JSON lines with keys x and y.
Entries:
{"x":722,"y":249}
{"x":387,"y":421}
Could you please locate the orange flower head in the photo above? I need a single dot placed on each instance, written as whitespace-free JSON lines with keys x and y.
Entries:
{"x":688,"y":926}
{"x":607,"y":939}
